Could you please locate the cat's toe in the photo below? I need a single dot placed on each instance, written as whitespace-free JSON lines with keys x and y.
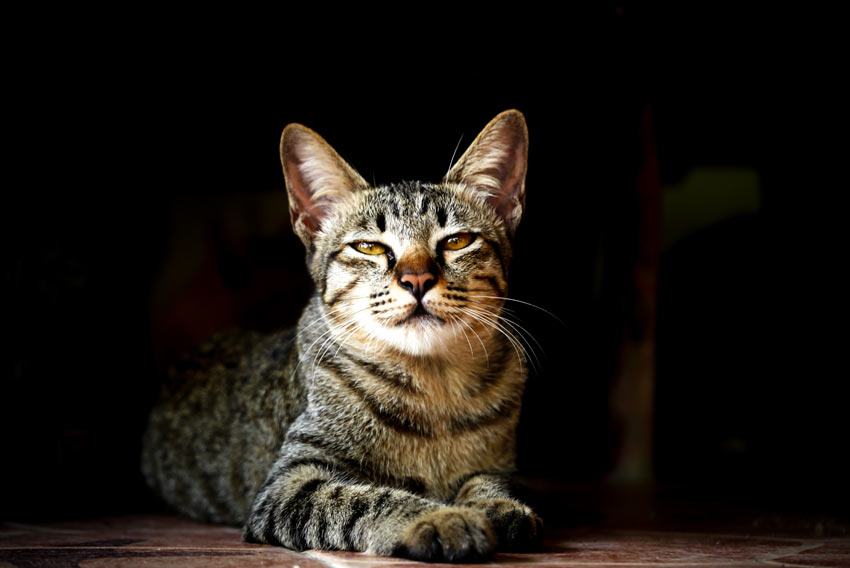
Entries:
{"x":517,"y":527}
{"x":448,"y":535}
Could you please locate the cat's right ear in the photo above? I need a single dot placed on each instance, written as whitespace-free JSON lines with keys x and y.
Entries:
{"x":316,"y":179}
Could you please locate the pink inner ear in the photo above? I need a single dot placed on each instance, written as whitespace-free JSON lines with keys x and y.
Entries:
{"x":512,"y":185}
{"x":303,"y":207}
{"x":514,"y":181}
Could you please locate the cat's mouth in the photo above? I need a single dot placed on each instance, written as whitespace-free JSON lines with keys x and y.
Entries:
{"x":420,"y":314}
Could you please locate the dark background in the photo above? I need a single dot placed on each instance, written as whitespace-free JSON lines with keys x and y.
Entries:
{"x":144,"y":210}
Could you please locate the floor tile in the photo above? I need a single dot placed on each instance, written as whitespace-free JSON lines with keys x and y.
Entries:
{"x":165,"y":541}
{"x":836,"y":553}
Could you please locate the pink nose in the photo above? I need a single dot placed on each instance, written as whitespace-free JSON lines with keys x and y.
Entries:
{"x":417,"y":283}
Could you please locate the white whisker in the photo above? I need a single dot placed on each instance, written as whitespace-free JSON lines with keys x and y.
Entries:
{"x":488,"y":319}
{"x":535,"y":306}
{"x":452,"y":161}
{"x":484,"y":347}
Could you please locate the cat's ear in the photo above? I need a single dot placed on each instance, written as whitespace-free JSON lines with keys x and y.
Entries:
{"x":316,"y":178}
{"x":495,"y":164}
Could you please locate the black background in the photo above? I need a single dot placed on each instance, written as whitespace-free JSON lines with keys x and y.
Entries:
{"x":113,"y":125}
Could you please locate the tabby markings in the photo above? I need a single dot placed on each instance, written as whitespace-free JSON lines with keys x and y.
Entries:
{"x":494,"y":374}
{"x":321,"y":444}
{"x":359,"y":507}
{"x":498,"y":252}
{"x":318,"y":463}
{"x":402,"y":419}
{"x":338,"y":296}
{"x":491,"y":280}
{"x":506,"y":409}
{"x":441,"y":217}
{"x":301,"y":508}
{"x":393,"y":378}
{"x":463,"y":487}
{"x":381,"y":501}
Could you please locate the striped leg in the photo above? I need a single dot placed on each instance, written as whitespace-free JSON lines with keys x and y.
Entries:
{"x":310,"y":505}
{"x":517,"y":527}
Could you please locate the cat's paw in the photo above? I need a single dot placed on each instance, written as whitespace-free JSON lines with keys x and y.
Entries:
{"x":517,"y":527}
{"x":448,"y":535}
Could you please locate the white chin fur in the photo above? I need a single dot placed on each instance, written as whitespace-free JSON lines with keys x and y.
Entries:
{"x":418,"y":337}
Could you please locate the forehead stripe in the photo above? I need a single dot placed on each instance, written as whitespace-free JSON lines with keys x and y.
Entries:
{"x":441,"y":217}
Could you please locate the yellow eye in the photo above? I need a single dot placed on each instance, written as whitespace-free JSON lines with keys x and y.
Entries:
{"x":458,"y":241}
{"x":370,"y":248}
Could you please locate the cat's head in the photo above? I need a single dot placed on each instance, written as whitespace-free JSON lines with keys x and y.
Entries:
{"x":416,"y":267}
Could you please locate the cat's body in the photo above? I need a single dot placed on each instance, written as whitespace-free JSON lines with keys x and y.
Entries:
{"x":386,"y":422}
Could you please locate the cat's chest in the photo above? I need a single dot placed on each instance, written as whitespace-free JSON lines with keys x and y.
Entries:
{"x":426,"y":433}
{"x":435,"y":465}
{"x":433,"y":444}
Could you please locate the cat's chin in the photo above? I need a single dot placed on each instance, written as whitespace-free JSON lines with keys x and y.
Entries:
{"x":420,"y":334}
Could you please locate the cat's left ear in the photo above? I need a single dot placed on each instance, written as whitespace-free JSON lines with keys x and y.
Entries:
{"x":317,"y":178}
{"x":495,"y":164}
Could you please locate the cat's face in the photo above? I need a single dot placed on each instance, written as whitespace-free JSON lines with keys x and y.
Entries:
{"x":417,"y":268}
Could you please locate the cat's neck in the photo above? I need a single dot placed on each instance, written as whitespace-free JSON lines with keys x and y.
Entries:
{"x":452,"y":370}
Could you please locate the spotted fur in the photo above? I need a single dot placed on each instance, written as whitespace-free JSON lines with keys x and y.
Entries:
{"x":386,"y":421}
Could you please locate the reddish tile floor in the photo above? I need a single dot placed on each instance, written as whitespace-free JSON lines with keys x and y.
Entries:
{"x":164,"y":541}
{"x":594,"y":525}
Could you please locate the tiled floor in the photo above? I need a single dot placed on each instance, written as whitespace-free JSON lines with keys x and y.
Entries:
{"x":163,"y":541}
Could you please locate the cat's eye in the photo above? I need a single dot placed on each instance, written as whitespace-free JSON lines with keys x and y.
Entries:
{"x":370,"y":248}
{"x":458,"y":241}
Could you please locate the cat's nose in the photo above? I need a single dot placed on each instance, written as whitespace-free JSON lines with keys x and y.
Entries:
{"x":417,"y":283}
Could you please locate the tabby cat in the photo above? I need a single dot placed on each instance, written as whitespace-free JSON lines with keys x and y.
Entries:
{"x":385,"y":422}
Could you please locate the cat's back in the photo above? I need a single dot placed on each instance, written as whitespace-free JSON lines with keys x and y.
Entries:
{"x":220,"y":422}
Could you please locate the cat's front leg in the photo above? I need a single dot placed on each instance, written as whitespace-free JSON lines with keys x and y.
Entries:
{"x":314,"y":505}
{"x":517,"y":527}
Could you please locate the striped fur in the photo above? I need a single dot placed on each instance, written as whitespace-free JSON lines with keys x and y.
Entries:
{"x":386,"y":421}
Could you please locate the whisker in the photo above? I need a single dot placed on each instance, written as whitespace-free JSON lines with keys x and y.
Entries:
{"x":484,"y":347}
{"x":326,"y":347}
{"x":488,"y":319}
{"x":330,"y":336}
{"x":452,"y":161}
{"x":334,"y":326}
{"x":535,"y":306}
{"x":514,"y":323}
{"x":522,"y":334}
{"x":342,"y":341}
{"x":453,"y":321}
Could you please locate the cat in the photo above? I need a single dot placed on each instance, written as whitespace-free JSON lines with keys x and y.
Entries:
{"x":386,"y":421}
